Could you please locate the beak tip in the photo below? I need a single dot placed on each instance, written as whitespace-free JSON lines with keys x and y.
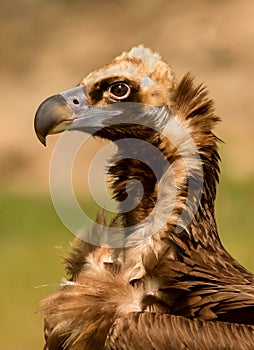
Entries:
{"x":42,"y":139}
{"x":50,"y":113}
{"x":44,"y":142}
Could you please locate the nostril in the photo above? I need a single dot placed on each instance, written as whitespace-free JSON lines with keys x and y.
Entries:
{"x":75,"y":101}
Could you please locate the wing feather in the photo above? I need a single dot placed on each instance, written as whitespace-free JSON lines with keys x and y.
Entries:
{"x":151,"y":331}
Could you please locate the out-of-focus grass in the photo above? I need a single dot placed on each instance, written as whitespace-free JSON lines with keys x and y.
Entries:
{"x":33,"y":240}
{"x":234,"y":210}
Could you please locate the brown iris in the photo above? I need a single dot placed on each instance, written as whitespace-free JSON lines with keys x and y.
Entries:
{"x":119,"y":91}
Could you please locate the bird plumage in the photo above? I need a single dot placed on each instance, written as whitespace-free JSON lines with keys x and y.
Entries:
{"x":179,"y":280}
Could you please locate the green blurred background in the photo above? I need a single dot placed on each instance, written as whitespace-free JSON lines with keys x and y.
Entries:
{"x":49,"y":46}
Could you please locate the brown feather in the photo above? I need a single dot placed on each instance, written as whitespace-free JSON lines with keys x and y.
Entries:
{"x":153,"y":331}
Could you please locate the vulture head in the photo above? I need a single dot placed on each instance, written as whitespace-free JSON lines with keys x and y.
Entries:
{"x":138,"y":76}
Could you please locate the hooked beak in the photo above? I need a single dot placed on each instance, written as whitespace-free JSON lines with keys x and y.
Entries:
{"x":69,"y":111}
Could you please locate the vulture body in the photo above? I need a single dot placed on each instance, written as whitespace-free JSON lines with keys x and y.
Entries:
{"x":177,"y":288}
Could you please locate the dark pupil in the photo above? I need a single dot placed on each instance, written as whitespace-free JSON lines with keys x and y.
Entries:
{"x":119,"y":90}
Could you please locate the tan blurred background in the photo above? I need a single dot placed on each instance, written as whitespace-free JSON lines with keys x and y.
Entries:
{"x":49,"y":46}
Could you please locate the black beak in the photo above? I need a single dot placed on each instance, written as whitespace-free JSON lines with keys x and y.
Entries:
{"x":69,"y":111}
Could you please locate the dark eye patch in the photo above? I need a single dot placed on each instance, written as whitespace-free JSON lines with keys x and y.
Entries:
{"x":96,"y":91}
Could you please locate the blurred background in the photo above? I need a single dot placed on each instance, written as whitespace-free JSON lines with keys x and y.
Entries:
{"x":48,"y":46}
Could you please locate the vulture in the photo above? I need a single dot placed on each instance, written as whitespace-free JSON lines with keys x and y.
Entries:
{"x":161,"y":279}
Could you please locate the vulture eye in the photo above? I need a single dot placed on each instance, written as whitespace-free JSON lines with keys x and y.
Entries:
{"x":119,"y":91}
